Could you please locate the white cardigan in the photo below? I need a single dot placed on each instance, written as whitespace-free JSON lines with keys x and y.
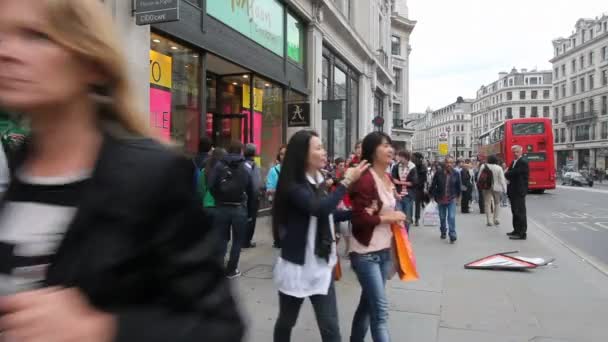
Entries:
{"x":499,"y":182}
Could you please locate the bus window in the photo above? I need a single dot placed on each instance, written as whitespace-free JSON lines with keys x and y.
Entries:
{"x":532,"y":128}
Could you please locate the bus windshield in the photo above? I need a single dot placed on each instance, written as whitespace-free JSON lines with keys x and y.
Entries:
{"x":530,"y":128}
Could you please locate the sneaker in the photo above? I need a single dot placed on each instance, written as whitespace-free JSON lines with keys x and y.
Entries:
{"x":512,"y":234}
{"x":416,"y":224}
{"x":443,"y":236}
{"x":453,"y":240}
{"x":489,"y":224}
{"x":496,"y":223}
{"x":233,"y":274}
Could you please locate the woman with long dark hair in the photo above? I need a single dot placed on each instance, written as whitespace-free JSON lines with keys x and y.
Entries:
{"x":373,"y":201}
{"x":304,"y":214}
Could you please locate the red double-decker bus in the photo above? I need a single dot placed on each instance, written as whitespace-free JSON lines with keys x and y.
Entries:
{"x":535,"y":135}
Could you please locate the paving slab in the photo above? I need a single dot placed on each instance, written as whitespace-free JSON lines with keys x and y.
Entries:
{"x":566,"y":301}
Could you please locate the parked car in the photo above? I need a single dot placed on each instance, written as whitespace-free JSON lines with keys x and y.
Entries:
{"x":576,"y":179}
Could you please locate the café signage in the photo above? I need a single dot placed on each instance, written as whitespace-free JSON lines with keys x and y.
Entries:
{"x":155,"y":11}
{"x":299,"y":115}
{"x":259,"y":20}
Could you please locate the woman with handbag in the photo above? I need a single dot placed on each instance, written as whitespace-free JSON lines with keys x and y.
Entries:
{"x":305,"y":212}
{"x":373,"y":200}
{"x":102,"y":237}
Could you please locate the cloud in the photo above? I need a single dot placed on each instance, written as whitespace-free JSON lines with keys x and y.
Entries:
{"x":460,"y":45}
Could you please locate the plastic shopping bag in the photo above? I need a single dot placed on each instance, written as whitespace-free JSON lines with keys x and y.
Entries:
{"x":430,"y":216}
{"x":405,"y":260}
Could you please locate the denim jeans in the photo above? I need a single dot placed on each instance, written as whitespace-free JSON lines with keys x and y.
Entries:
{"x":372,"y":270}
{"x":326,"y":312}
{"x":447,"y":212}
{"x":231,"y":219}
{"x":406,"y":205}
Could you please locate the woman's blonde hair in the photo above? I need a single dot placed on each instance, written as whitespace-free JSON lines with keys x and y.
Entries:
{"x":86,"y":29}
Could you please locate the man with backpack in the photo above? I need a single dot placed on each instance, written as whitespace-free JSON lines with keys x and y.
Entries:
{"x":253,"y":201}
{"x":492,"y":182}
{"x":231,"y":186}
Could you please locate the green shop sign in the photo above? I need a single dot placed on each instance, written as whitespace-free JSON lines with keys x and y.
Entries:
{"x":259,"y":20}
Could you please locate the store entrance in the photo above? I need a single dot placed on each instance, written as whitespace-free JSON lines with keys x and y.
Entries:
{"x":228,"y":128}
{"x":228,"y":114}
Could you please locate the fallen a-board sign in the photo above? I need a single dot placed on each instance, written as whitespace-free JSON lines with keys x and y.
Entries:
{"x":504,"y":261}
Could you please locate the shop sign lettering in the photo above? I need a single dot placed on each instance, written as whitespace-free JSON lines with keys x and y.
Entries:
{"x":160,"y":69}
{"x":259,"y":20}
{"x":156,"y":11}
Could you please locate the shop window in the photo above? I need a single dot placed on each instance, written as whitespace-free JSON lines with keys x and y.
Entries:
{"x":267,"y":121}
{"x":295,"y":40}
{"x":175,"y":92}
{"x":354,"y":112}
{"x":339,"y":129}
{"x":325,"y":96}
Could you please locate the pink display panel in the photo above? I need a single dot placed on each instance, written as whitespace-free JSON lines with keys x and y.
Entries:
{"x":160,"y":113}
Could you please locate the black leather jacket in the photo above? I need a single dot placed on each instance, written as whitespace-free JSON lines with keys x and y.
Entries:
{"x":140,"y":248}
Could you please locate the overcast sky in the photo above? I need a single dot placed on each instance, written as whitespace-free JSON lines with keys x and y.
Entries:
{"x":460,"y":45}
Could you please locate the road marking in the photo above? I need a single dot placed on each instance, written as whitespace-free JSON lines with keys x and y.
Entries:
{"x":582,"y":189}
{"x":586,"y":258}
{"x":586,"y":225}
{"x":602,"y":224}
{"x":577,"y":215}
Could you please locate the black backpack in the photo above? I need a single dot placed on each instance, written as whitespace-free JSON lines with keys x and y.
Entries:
{"x":485,"y":178}
{"x":231,"y":184}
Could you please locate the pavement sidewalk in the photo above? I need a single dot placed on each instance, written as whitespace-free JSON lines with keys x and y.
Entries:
{"x":565,"y":301}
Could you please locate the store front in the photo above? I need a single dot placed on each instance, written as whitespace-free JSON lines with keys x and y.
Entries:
{"x":341,"y":91}
{"x":204,"y":81}
{"x":584,"y":160}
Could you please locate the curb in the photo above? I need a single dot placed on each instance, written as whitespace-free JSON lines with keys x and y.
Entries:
{"x":587,"y":259}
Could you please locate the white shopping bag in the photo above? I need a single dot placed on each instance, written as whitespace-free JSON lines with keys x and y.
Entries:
{"x":430,"y":216}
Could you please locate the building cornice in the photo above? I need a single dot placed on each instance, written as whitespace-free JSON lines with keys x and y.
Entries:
{"x":578,"y":48}
{"x":403,"y":23}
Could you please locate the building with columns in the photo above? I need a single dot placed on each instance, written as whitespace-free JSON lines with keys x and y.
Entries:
{"x":580,"y":86}
{"x":401,"y":29}
{"x":258,"y":71}
{"x":517,"y":94}
{"x":453,"y":120}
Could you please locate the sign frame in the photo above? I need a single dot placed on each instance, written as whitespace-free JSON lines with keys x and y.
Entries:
{"x":298,"y":114}
{"x":148,"y":12}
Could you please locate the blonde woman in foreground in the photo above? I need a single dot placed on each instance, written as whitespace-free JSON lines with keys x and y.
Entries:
{"x":101,"y":236}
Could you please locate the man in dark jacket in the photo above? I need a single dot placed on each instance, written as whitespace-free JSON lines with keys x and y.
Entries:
{"x":231,"y":186}
{"x":205,"y":147}
{"x":445,"y":189}
{"x":467,"y":187}
{"x":405,"y":178}
{"x":517,"y":189}
{"x":253,"y":201}
{"x":422,"y":172}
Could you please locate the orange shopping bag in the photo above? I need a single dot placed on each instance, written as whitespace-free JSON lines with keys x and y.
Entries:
{"x":338,"y":270}
{"x":404,"y":254}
